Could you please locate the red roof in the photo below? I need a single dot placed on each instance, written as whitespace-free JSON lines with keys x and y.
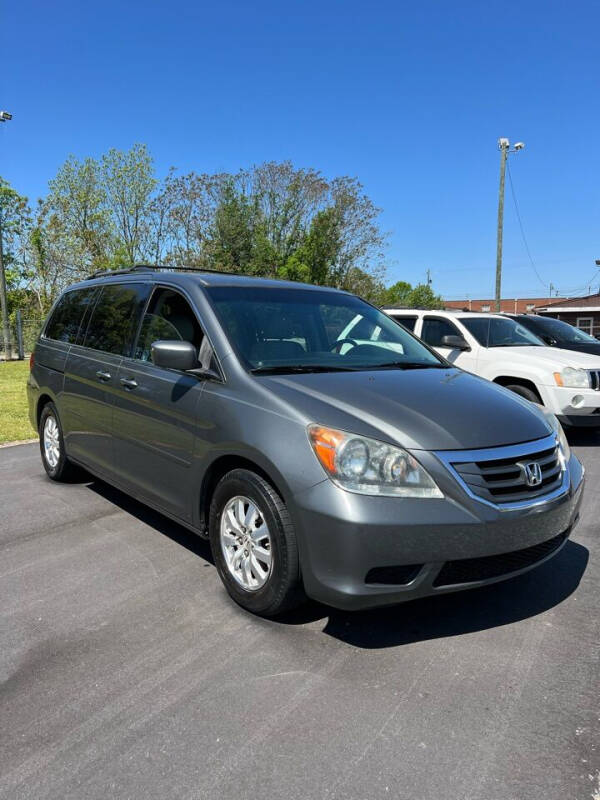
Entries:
{"x":591,"y":301}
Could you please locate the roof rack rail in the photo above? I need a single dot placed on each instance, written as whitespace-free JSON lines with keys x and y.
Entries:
{"x":183,"y":268}
{"x":106,"y":273}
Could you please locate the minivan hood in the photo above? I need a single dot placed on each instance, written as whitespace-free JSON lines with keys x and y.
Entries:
{"x":429,"y":409}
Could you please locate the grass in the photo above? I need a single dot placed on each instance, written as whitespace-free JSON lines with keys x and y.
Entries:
{"x":14,"y":415}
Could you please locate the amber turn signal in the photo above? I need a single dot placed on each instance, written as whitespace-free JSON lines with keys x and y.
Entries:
{"x":324,"y":442}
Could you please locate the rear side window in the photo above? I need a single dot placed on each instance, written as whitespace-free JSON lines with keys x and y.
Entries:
{"x":435,"y":328}
{"x":407,"y":322}
{"x":64,"y":324}
{"x":115,"y":318}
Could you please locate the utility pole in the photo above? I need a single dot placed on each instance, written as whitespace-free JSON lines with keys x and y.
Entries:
{"x":504,"y":147}
{"x":4,"y":117}
{"x":428,"y":277}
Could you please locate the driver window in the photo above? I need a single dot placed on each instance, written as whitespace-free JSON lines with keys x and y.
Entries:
{"x":168,"y":316}
{"x":435,"y":328}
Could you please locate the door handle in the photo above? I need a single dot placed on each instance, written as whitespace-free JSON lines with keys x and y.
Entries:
{"x":129,"y":383}
{"x":103,"y":376}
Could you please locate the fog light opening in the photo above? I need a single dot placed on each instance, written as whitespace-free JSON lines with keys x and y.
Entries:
{"x":577,"y":400}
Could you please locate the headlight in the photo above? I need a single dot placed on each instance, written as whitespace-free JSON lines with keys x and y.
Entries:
{"x":573,"y":378}
{"x":558,"y":429}
{"x":367,"y":466}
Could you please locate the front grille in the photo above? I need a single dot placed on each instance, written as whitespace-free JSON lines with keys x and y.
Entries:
{"x":595,"y":379}
{"x":398,"y":575}
{"x":470,"y":570}
{"x":504,"y":480}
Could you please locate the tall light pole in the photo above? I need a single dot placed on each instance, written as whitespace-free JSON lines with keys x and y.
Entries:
{"x":4,"y":117}
{"x":504,"y":147}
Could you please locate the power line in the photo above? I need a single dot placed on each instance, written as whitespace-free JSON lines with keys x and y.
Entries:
{"x":514,"y":197}
{"x":586,"y":285}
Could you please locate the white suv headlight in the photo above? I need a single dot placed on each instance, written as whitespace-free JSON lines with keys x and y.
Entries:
{"x":573,"y":378}
{"x":366,"y":466}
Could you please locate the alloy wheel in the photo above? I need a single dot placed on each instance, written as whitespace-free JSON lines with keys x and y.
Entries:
{"x":246,"y":543}
{"x":51,"y":439}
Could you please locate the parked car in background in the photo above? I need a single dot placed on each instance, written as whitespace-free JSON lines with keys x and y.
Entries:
{"x":360,"y":475}
{"x":557,"y":333}
{"x":506,"y":352}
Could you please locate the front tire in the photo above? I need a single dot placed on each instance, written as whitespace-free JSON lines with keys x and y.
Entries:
{"x":254,"y":544}
{"x":52,"y":446}
{"x":524,"y":391}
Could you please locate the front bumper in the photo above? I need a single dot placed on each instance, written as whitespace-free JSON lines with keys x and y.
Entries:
{"x":579,"y":407}
{"x":347,"y":540}
{"x":580,"y":420}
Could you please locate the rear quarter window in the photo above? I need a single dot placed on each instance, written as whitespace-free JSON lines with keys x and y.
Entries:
{"x":65,"y":321}
{"x":407,"y":322}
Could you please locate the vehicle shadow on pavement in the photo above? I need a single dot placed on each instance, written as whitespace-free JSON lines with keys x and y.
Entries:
{"x":173,"y":530}
{"x":583,"y":437}
{"x":437,"y":617}
{"x":457,"y":613}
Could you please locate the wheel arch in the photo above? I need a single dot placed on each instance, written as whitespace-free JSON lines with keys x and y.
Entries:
{"x":220,"y":467}
{"x":511,"y":380}
{"x":42,"y":401}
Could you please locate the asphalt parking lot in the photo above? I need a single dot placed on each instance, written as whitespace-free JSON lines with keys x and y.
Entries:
{"x":126,"y":672}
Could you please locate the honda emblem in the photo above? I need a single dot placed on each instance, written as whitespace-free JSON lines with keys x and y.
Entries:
{"x":532,"y":472}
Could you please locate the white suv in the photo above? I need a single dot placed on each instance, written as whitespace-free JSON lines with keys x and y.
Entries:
{"x":501,"y":350}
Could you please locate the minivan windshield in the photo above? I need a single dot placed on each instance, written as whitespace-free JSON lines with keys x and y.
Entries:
{"x":500,"y":332}
{"x":283,"y":330}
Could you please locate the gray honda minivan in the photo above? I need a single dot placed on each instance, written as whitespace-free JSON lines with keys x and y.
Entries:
{"x":358,"y":471}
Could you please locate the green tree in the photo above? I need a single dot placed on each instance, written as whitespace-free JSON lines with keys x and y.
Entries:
{"x":192,"y":201}
{"x":288,"y":199}
{"x":129,"y":182}
{"x":273,"y":219}
{"x":15,"y":224}
{"x":315,"y":258}
{"x":361,"y":241}
{"x":15,"y":221}
{"x":76,"y":210}
{"x":398,"y":294}
{"x":364,"y":284}
{"x":423,"y":296}
{"x":233,"y":237}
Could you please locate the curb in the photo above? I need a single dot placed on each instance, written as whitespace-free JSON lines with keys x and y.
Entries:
{"x":14,"y":444}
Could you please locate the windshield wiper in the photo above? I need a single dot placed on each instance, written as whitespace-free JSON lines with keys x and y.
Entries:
{"x":406,"y":365}
{"x":283,"y":369}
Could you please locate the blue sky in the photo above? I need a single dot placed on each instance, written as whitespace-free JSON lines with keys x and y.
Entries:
{"x":409,"y":97}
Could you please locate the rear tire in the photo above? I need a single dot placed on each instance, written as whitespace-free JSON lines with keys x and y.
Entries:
{"x":254,"y":544}
{"x":52,"y":446}
{"x":525,"y":392}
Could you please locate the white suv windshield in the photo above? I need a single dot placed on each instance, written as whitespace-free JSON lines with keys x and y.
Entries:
{"x":304,"y":330}
{"x":500,"y":332}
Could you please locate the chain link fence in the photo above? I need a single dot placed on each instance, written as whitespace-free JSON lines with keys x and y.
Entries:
{"x":23,"y":333}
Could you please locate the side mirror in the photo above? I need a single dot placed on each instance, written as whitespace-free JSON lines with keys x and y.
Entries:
{"x":550,"y":340}
{"x":455,"y":342}
{"x":173,"y":354}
